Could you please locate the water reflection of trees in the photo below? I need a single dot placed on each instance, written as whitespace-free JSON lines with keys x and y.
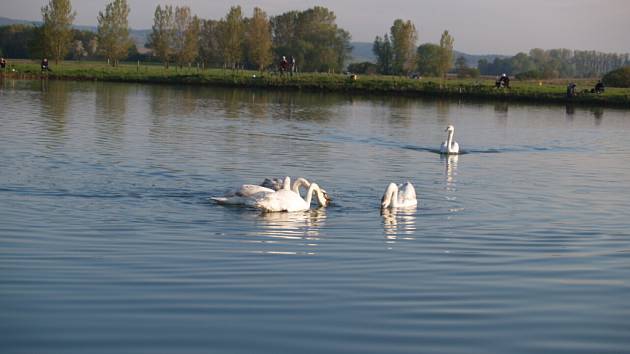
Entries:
{"x":55,"y":99}
{"x":111,"y":109}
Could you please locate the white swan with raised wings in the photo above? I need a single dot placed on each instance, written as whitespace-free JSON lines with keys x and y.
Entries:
{"x":399,"y":196}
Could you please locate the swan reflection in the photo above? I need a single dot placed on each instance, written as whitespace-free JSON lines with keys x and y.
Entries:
{"x":450,"y":171}
{"x":399,"y":224}
{"x":291,"y":229}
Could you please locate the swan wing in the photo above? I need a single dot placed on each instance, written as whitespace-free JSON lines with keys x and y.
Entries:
{"x":406,"y":192}
{"x":249,"y":190}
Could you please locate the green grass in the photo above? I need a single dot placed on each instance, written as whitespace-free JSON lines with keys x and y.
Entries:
{"x":534,"y":91}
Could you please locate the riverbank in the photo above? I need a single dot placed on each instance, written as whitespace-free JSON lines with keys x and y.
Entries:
{"x":482,"y":89}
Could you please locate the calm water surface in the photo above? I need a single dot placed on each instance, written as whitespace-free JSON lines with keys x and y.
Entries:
{"x":109,"y":243}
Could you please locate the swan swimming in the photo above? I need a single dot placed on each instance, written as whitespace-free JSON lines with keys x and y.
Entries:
{"x":300,"y":182}
{"x":245,"y":194}
{"x":288,"y":200}
{"x":401,"y":196}
{"x":449,"y":146}
{"x":248,"y":194}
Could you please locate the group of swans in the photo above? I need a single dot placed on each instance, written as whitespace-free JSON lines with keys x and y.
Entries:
{"x":275,"y":196}
{"x":279,"y":195}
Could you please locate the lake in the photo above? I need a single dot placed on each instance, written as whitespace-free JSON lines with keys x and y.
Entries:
{"x":109,"y":242}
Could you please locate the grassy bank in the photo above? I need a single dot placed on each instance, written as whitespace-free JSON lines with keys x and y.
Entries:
{"x":533,"y":91}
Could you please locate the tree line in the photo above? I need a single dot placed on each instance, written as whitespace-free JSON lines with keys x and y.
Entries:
{"x":397,"y":54}
{"x":555,"y":63}
{"x":179,"y":37}
{"x":311,"y":36}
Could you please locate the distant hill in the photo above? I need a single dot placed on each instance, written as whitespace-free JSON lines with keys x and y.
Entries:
{"x":4,"y":21}
{"x":362,"y":51}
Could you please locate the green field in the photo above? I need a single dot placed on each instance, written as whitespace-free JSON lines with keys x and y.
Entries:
{"x":483,"y":88}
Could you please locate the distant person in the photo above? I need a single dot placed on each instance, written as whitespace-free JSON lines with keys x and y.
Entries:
{"x":293,"y":65}
{"x":599,"y":87}
{"x":45,"y":64}
{"x":571,"y":89}
{"x":3,"y":63}
{"x":284,"y":65}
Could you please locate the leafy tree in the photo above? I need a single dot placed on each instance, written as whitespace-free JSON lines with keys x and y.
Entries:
{"x":618,"y":78}
{"x":113,"y":31}
{"x":446,"y":54}
{"x":56,"y":29}
{"x":259,"y":39}
{"x":209,"y":46}
{"x":313,"y":38}
{"x":14,"y":40}
{"x":161,"y":38}
{"x":428,"y":59}
{"x":363,"y":68}
{"x":186,"y":36}
{"x":232,"y":30}
{"x":403,"y":41}
{"x":384,"y":52}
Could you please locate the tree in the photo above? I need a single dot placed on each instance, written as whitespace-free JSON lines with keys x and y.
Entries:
{"x":259,"y":39}
{"x":382,"y":48}
{"x":428,"y":59}
{"x":56,"y":29}
{"x":403,"y":40}
{"x":313,"y":38}
{"x":209,"y":47}
{"x":161,"y":37}
{"x":113,"y":31}
{"x":231,"y":31}
{"x":186,"y":36}
{"x":446,"y":54}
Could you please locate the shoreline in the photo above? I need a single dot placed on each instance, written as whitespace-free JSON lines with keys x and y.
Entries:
{"x":468,"y":89}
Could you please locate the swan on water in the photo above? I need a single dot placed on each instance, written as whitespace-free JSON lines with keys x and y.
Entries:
{"x":449,"y":146}
{"x":248,"y":193}
{"x":298,"y":184}
{"x":288,"y":200}
{"x":399,"y":196}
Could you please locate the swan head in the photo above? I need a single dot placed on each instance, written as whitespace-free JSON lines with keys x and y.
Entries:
{"x":450,"y":128}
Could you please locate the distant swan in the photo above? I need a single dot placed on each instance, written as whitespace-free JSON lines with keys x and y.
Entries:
{"x":401,"y":196}
{"x":288,"y":200}
{"x":449,"y":146}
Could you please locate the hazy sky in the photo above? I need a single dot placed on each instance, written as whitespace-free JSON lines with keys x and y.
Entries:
{"x":478,"y":26}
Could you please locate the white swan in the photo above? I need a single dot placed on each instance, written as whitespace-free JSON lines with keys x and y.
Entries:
{"x":401,"y":196}
{"x":298,"y":184}
{"x":288,"y":200}
{"x":449,"y":146}
{"x":247,"y":194}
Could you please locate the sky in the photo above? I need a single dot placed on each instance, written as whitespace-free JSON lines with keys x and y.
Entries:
{"x":478,"y":26}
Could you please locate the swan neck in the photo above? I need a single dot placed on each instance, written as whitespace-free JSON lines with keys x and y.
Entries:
{"x":449,"y":140}
{"x":391,"y":196}
{"x":299,"y":182}
{"x":314,"y":188}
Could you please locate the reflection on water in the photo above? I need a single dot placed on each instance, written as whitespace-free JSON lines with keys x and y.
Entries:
{"x":55,"y":104}
{"x":107,"y":239}
{"x":302,"y":228}
{"x":399,"y":224}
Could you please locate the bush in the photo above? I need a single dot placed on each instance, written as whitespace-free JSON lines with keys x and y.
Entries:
{"x":362,"y":68}
{"x":618,"y":78}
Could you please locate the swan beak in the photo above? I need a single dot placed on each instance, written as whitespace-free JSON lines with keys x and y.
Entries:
{"x":327,"y":197}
